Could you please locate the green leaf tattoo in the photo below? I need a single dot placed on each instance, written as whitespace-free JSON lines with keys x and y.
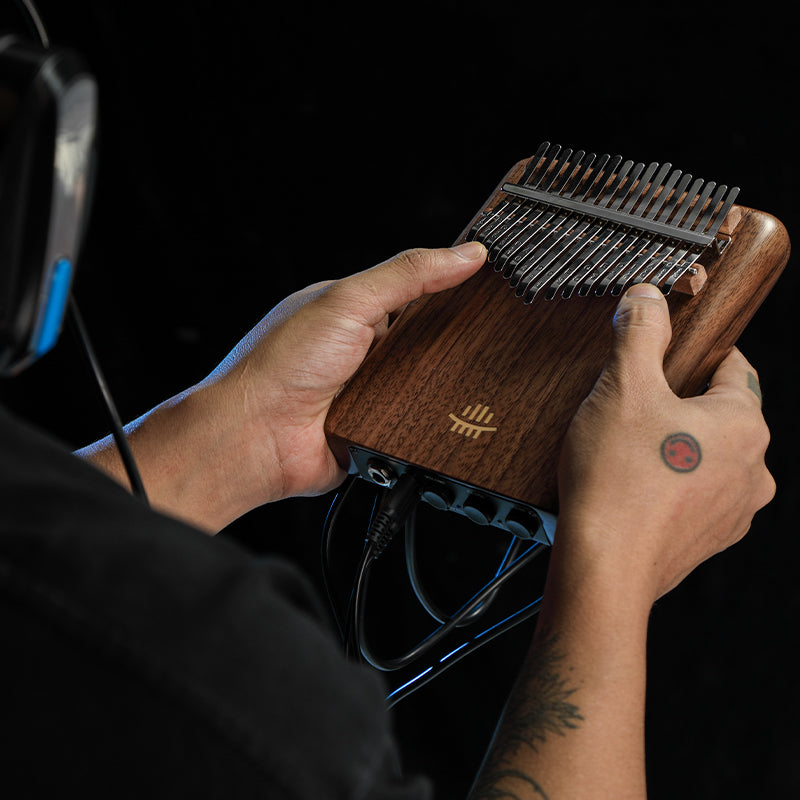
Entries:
{"x":753,"y":385}
{"x":540,"y":706}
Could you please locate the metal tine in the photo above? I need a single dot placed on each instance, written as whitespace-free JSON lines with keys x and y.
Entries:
{"x":571,"y":180}
{"x":520,"y":240}
{"x":558,"y":186}
{"x":713,"y":204}
{"x":480,"y":224}
{"x":530,"y":227}
{"x":540,"y":174}
{"x":636,"y":194}
{"x":533,"y":162}
{"x":576,"y":241}
{"x":668,"y":248}
{"x":591,"y":258}
{"x":673,"y":264}
{"x":545,"y":277}
{"x":655,"y":183}
{"x":629,"y":185}
{"x":555,"y":178}
{"x":601,"y":178}
{"x":694,"y":213}
{"x":723,"y":212}
{"x":604,"y":261}
{"x":531,"y":272}
{"x":555,"y":266}
{"x":615,"y":184}
{"x":668,"y":207}
{"x":595,"y":237}
{"x":540,"y":262}
{"x":612,"y":189}
{"x":580,"y":164}
{"x":516,"y":215}
{"x":631,"y":253}
{"x":559,"y":268}
{"x":514,"y":264}
{"x":555,"y":173}
{"x":664,"y":194}
{"x":501,"y":219}
{"x":645,"y":265}
{"x":574,"y":164}
{"x":679,"y":273}
{"x":683,"y":205}
{"x":573,"y":262}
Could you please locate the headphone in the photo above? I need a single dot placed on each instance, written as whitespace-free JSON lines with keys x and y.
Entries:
{"x":48,"y":131}
{"x":48,"y":121}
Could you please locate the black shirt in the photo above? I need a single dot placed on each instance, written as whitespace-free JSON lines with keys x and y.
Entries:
{"x":142,"y":658}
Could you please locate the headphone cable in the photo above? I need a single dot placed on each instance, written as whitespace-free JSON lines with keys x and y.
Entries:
{"x":34,"y":19}
{"x":128,"y":461}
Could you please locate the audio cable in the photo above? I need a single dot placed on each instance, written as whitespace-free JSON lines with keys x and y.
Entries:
{"x":395,"y":511}
{"x":128,"y":461}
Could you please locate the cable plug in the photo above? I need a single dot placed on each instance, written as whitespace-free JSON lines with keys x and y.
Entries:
{"x":392,"y":513}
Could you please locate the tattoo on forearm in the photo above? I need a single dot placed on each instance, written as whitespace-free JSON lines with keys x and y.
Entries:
{"x":540,"y":706}
{"x":491,"y":790}
{"x":752,"y":384}
{"x":681,"y":452}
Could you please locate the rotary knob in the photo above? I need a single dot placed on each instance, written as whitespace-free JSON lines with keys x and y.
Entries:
{"x":438,"y":496}
{"x":479,"y":509}
{"x":523,"y":524}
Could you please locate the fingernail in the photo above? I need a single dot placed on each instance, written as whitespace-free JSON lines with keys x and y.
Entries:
{"x":469,"y":250}
{"x":644,"y":290}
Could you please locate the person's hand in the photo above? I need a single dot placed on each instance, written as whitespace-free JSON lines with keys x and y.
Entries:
{"x":252,"y":431}
{"x":651,"y":485}
{"x":276,"y":386}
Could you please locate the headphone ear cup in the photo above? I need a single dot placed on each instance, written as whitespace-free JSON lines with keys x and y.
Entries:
{"x":48,"y":112}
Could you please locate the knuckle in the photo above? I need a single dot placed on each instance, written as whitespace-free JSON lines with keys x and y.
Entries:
{"x":640,"y":312}
{"x":412,"y":259}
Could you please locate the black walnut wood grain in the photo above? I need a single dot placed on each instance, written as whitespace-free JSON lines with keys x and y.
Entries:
{"x":531,"y":365}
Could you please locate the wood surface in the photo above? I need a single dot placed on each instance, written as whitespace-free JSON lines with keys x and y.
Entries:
{"x":531,"y":366}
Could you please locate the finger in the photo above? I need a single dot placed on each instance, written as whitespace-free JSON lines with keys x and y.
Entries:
{"x":642,"y":332}
{"x":374,"y":293}
{"x":735,"y":374}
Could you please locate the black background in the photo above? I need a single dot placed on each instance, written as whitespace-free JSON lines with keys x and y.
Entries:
{"x":248,"y":151}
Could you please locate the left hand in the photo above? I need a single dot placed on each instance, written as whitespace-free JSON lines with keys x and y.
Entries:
{"x":252,"y":431}
{"x":277,"y":384}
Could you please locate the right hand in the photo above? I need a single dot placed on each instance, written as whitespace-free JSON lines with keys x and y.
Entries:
{"x":623,"y":507}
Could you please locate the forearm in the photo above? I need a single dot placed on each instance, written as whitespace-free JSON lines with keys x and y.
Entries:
{"x":574,"y":725}
{"x":189,"y":452}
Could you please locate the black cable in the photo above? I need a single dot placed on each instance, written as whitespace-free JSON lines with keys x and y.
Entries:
{"x":332,"y":518}
{"x":394,"y":512}
{"x":128,"y":461}
{"x":423,"y":596}
{"x":354,"y":631}
{"x":34,"y":20}
{"x":423,"y":647}
{"x":391,"y":516}
{"x":456,"y":654}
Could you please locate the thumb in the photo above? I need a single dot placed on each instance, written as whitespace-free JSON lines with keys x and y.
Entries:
{"x":371,"y":295}
{"x":642,"y":332}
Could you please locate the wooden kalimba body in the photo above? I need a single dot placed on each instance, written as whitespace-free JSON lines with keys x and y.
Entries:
{"x":474,"y":388}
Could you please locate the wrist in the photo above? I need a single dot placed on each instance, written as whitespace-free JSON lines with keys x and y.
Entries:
{"x":594,"y":564}
{"x":192,"y":454}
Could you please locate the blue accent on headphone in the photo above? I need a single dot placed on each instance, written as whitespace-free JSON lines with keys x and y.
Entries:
{"x":55,"y":306}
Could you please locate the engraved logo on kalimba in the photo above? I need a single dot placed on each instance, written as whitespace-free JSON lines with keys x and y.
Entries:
{"x":473,"y":421}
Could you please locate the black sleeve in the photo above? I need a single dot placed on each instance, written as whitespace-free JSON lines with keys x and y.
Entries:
{"x":147,"y":659}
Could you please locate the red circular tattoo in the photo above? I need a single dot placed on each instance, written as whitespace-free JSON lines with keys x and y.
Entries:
{"x":681,"y":452}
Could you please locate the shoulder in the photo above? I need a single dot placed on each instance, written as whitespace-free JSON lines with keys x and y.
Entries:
{"x":204,"y":634}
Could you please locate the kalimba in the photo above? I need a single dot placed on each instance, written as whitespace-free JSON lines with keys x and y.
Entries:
{"x":473,"y":388}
